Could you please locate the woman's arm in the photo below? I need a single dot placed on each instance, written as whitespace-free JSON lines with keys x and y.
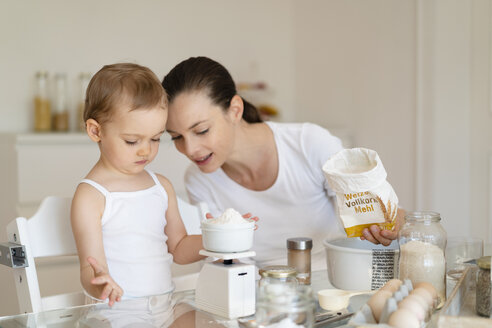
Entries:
{"x":182,"y":246}
{"x":86,"y":212}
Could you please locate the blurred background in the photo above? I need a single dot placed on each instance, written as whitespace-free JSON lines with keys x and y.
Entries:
{"x":408,"y":78}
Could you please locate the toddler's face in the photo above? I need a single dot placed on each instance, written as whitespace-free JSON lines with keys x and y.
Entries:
{"x":130,"y":140}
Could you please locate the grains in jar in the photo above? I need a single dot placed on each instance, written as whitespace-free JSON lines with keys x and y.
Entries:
{"x":483,"y":286}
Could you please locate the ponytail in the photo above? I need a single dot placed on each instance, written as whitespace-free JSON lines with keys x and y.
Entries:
{"x":250,"y":113}
{"x":205,"y":74}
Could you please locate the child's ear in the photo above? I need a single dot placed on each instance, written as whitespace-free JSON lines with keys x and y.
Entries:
{"x":236,"y":108}
{"x":93,"y":129}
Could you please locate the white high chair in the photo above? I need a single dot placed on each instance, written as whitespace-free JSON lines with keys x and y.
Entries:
{"x":48,"y":233}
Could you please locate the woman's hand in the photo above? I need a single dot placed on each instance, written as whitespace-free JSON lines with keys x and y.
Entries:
{"x":377,"y":236}
{"x":246,"y":216}
{"x":107,"y":286}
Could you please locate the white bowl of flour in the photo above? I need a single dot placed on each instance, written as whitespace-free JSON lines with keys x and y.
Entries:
{"x":228,"y":233}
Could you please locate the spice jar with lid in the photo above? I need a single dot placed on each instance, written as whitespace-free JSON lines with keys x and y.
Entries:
{"x":422,"y":242}
{"x":299,"y":257}
{"x":42,"y":104}
{"x":483,"y":287}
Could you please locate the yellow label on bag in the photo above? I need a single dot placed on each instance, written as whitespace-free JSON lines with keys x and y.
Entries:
{"x":356,"y":231}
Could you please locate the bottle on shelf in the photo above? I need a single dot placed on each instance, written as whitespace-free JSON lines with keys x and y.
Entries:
{"x":42,"y":104}
{"x":61,"y":117}
{"x":84,"y":79}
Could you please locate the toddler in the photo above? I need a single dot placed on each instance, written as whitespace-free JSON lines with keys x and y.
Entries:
{"x":125,"y":218}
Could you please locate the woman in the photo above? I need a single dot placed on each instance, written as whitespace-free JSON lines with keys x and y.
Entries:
{"x":271,"y":169}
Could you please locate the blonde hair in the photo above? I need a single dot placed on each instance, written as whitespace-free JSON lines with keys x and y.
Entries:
{"x":113,"y":85}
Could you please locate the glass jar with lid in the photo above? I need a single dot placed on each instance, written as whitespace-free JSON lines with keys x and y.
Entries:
{"x":285,"y":306}
{"x":483,"y":290}
{"x":422,"y":242}
{"x":278,"y":274}
{"x":42,"y":104}
{"x":299,"y":257}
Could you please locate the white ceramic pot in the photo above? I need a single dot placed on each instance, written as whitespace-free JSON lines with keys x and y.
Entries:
{"x":227,"y":238}
{"x":355,"y":264}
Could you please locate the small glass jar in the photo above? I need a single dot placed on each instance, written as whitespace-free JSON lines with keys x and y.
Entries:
{"x":299,"y":257}
{"x":285,"y":307}
{"x":483,"y":287}
{"x":278,"y":274}
{"x":42,"y":104}
{"x":422,"y":242}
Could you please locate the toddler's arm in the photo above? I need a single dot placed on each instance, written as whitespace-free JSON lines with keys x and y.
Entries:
{"x":87,"y":209}
{"x":182,"y":246}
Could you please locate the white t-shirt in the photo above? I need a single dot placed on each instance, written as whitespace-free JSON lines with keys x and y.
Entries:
{"x":298,"y":204}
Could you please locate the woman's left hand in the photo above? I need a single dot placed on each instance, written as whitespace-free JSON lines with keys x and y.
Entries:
{"x":384,"y":237}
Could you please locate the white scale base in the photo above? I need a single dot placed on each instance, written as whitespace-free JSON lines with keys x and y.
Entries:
{"x":227,"y":290}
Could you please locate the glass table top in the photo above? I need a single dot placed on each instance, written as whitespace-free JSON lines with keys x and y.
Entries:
{"x":168,"y":310}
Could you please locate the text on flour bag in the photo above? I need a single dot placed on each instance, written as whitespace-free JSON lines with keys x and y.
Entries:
{"x":364,"y":197}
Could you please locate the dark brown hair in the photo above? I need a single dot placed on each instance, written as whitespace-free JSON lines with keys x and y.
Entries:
{"x":205,"y":74}
{"x":120,"y":83}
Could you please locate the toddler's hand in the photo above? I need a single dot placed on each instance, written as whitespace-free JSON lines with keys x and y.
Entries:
{"x":110,"y":288}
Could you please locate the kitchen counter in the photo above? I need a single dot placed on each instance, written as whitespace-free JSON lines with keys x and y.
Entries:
{"x":182,"y":313}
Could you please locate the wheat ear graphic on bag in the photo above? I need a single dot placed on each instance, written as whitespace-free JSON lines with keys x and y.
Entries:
{"x":388,"y":212}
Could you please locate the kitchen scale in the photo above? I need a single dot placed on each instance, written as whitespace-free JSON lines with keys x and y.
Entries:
{"x":225,"y":287}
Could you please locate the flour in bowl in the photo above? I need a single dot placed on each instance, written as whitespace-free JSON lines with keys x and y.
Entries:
{"x":230,"y":216}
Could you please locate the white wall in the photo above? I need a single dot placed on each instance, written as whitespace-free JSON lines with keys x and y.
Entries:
{"x":481,"y":120}
{"x":454,"y":115}
{"x":355,"y":68}
{"x":76,"y":36}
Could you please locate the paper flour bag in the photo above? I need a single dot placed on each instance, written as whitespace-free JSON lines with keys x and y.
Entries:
{"x":364,"y":197}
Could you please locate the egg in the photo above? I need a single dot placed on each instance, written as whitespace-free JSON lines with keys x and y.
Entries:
{"x":392,"y":285}
{"x":413,"y":305}
{"x":376,"y":302}
{"x":425,"y":294}
{"x":422,"y":303}
{"x":431,"y":289}
{"x":403,"y":318}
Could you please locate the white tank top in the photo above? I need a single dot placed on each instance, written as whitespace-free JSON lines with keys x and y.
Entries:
{"x":134,"y":240}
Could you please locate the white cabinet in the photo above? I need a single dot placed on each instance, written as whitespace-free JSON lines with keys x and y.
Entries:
{"x":34,"y":166}
{"x":38,"y":165}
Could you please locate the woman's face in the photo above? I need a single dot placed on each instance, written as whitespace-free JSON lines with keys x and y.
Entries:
{"x":201,"y":130}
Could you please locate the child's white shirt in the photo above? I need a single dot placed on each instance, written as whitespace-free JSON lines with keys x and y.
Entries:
{"x":134,"y":240}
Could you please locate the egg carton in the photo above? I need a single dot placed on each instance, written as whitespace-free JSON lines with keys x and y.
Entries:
{"x":364,"y":316}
